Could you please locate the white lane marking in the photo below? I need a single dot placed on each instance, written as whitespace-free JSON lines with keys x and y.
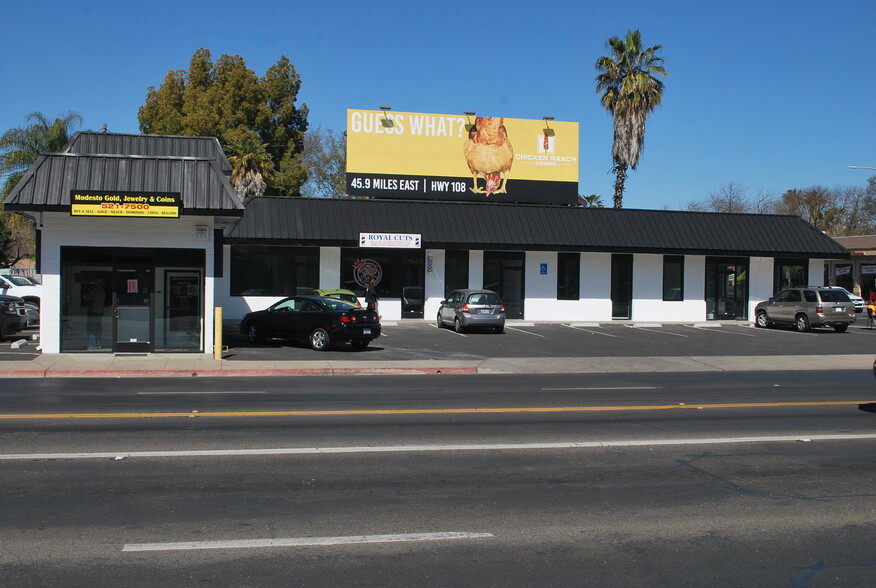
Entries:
{"x":172,"y":393}
{"x":610,"y":388}
{"x":522,"y":331}
{"x":591,"y":331}
{"x":437,"y":448}
{"x":726,"y":332}
{"x":656,"y":329}
{"x":303,"y":541}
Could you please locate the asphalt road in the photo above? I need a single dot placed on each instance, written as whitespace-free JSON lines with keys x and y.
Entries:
{"x":758,"y":479}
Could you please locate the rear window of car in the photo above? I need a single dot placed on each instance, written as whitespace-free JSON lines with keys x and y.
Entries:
{"x":337,"y":304}
{"x":483,"y":298}
{"x":833,"y":296}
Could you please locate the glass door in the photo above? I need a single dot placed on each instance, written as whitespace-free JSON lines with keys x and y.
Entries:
{"x":726,"y":289}
{"x":133,"y":308}
{"x":503,"y":274}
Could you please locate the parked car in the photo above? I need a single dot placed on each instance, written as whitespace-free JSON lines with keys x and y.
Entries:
{"x":856,"y":300}
{"x":807,"y":307}
{"x":472,"y":308}
{"x":340,"y":294}
{"x":21,"y":287}
{"x":13,"y":316}
{"x":319,"y":321}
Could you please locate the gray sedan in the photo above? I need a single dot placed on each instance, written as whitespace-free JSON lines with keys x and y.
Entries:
{"x":472,"y":308}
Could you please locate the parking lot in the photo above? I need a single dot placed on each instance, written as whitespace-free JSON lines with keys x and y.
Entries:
{"x":421,"y":340}
{"x":417,"y":340}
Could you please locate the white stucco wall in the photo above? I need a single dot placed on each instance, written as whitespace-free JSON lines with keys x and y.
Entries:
{"x":648,"y":303}
{"x":62,"y":229}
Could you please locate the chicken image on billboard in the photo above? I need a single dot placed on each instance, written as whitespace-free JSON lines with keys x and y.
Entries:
{"x":457,"y":157}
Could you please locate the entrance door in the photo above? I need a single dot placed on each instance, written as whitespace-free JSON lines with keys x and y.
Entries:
{"x":621,"y":286}
{"x":726,"y":289}
{"x":133,"y":308}
{"x":503,"y":274}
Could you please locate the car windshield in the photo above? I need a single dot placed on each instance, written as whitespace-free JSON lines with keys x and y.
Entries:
{"x":18,"y":281}
{"x":834,"y":296}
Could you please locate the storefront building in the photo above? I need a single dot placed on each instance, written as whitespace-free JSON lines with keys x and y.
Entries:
{"x":859,"y":269}
{"x":134,"y":216}
{"x":186,"y":244}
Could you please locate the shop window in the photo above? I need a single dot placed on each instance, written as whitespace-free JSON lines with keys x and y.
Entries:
{"x":569,"y":276}
{"x":455,"y":271}
{"x":673,"y":278}
{"x":843,"y":276}
{"x":399,"y":274}
{"x":273,"y":271}
{"x":790,"y":273}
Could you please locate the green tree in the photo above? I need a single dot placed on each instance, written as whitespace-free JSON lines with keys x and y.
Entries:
{"x":219,"y":99}
{"x":325,"y":156}
{"x":630,"y":92}
{"x":19,"y":148}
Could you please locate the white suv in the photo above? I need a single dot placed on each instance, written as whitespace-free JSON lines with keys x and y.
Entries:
{"x":21,"y":287}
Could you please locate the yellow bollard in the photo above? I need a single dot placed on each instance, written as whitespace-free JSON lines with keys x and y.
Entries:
{"x":217,"y":333}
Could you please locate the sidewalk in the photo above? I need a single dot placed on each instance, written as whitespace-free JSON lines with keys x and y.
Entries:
{"x":190,"y":365}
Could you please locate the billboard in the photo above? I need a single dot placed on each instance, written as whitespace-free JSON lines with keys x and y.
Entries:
{"x":451,"y":157}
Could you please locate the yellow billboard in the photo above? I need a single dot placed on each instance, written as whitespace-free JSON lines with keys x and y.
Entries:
{"x":459,"y":157}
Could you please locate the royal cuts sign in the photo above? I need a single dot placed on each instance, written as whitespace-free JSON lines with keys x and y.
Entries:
{"x":390,"y":240}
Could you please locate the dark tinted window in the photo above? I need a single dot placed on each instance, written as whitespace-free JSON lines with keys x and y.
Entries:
{"x":569,"y":276}
{"x":810,"y":296}
{"x":833,"y":296}
{"x":794,"y":296}
{"x":455,"y":270}
{"x":673,"y":277}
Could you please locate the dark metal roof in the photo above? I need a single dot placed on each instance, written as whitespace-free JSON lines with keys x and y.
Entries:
{"x":455,"y":225}
{"x":91,"y":143}
{"x":195,"y":167}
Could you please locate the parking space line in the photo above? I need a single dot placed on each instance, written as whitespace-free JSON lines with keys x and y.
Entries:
{"x":591,"y":331}
{"x":720,"y":330}
{"x":659,"y":330}
{"x":522,"y":331}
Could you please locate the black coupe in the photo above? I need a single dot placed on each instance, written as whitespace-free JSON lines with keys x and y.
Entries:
{"x":317,"y":320}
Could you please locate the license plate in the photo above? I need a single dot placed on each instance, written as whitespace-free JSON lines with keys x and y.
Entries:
{"x":486,"y":311}
{"x":366,"y":331}
{"x":839,"y":308}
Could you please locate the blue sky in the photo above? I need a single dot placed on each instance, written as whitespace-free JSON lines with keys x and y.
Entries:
{"x":771,"y":95}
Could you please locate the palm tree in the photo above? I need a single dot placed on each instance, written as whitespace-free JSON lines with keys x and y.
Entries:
{"x":630,"y":91}
{"x":20,"y":147}
{"x":250,"y":161}
{"x":592,"y":201}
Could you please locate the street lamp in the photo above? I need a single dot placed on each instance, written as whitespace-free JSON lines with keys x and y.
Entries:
{"x":861,"y":167}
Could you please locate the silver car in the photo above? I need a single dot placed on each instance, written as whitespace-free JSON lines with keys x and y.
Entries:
{"x":472,"y":308}
{"x":807,"y":307}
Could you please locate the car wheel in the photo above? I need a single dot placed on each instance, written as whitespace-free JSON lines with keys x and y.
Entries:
{"x":439,"y":322}
{"x":254,"y":333}
{"x":457,"y":326}
{"x":360,"y":343}
{"x":762,"y":320}
{"x":841,"y":328}
{"x":319,"y":339}
{"x":802,"y":323}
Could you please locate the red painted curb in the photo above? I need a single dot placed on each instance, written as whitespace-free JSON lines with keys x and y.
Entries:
{"x":239,"y":373}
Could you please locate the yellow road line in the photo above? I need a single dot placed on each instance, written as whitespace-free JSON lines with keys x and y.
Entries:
{"x":426,"y":411}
